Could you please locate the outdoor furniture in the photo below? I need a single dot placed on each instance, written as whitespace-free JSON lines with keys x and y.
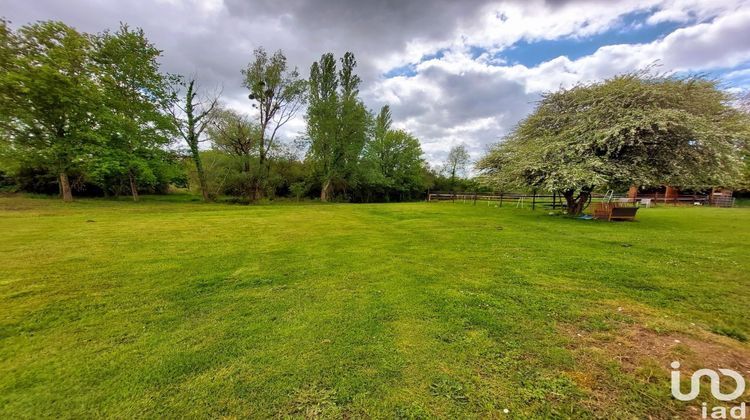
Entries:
{"x":622,"y":213}
{"x":601,"y":210}
{"x":645,"y":202}
{"x":611,"y":211}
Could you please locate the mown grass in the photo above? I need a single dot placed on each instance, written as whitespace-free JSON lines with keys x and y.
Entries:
{"x":173,"y":309}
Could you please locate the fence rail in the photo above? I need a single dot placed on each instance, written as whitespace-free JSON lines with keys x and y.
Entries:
{"x":556,"y":200}
{"x":518,"y":199}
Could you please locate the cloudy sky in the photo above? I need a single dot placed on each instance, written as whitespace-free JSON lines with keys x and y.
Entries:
{"x":452,"y":71}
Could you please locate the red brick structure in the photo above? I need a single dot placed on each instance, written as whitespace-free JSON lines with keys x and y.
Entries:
{"x":719,"y":197}
{"x":671,"y":193}
{"x":633,"y":192}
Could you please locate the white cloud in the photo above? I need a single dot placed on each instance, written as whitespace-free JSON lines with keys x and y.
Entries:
{"x":496,"y":95}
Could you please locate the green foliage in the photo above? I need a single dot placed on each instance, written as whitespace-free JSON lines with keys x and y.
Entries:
{"x":274,"y":86}
{"x":94,"y":115}
{"x":287,"y":169}
{"x":298,"y":189}
{"x":50,"y":99}
{"x":136,"y":95}
{"x":392,"y":161}
{"x":235,"y":135}
{"x":634,"y":129}
{"x":744,"y":181}
{"x":222,"y":174}
{"x":436,"y":179}
{"x":8,"y":50}
{"x":92,"y":105}
{"x":337,"y":124}
{"x":278,"y":93}
{"x":457,"y":162}
{"x":228,"y":174}
{"x":191,"y":116}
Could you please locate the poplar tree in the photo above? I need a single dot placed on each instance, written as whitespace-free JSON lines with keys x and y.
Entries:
{"x":337,"y":123}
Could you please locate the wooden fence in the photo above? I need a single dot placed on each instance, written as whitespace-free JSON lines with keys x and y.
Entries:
{"x":556,"y":201}
{"x":553,"y":201}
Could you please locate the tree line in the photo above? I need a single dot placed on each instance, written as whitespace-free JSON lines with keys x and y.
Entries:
{"x":94,"y":114}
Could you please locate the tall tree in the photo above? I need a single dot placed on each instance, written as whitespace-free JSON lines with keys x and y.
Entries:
{"x":634,"y":129}
{"x":136,"y":95}
{"x":744,"y":183}
{"x":456,"y":163}
{"x":236,"y":135}
{"x":191,"y":117}
{"x":337,"y":123}
{"x":322,"y":120}
{"x":277,"y":93}
{"x":393,"y":159}
{"x":383,"y":123}
{"x":8,"y":64}
{"x":50,"y":100}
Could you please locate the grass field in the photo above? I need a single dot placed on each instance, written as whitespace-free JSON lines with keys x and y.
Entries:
{"x":172,"y":309}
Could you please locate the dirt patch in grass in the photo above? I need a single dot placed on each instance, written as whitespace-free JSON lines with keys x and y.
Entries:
{"x":627,"y":365}
{"x":632,"y":345}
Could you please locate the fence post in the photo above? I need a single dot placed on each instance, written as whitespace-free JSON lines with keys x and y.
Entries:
{"x":533,"y":201}
{"x":554,"y":200}
{"x":501,"y":199}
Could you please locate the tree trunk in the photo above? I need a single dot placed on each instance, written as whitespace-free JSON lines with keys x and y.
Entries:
{"x":201,"y":173}
{"x":67,"y":194}
{"x":259,"y":180}
{"x":204,"y":186}
{"x":262,"y":174}
{"x":575,"y":205}
{"x":247,"y":188}
{"x":257,"y":191}
{"x":133,"y":186}
{"x":264,"y":169}
{"x":325,"y":192}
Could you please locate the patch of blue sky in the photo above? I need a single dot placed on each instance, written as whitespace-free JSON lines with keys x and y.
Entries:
{"x":410,"y":70}
{"x":632,"y":29}
{"x":735,"y":77}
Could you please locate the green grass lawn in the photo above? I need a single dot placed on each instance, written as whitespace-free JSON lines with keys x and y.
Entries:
{"x":172,"y":309}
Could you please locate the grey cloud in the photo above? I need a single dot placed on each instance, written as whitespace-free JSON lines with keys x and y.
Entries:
{"x":215,"y":43}
{"x":463,"y":98}
{"x":475,"y":95}
{"x":370,"y":29}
